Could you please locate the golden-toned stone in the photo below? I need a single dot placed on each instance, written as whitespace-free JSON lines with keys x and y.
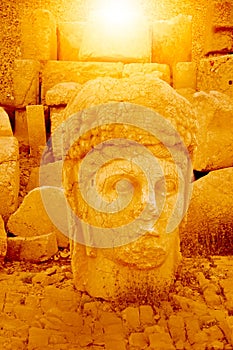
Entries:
{"x":211,"y":210}
{"x":36,"y":129}
{"x":55,"y":72}
{"x":39,"y":36}
{"x":34,"y":249}
{"x":21,"y":127}
{"x":5,"y":126}
{"x":9,"y":175}
{"x":172,"y":40}
{"x":114,"y":43}
{"x":70,"y":36}
{"x":185,"y":75}
{"x":215,"y":73}
{"x":25,"y":83}
{"x":3,"y":240}
{"x":107,"y":267}
{"x":214,"y":137}
{"x":31,"y":219}
{"x":61,"y":93}
{"x":145,"y":90}
{"x":163,"y":70}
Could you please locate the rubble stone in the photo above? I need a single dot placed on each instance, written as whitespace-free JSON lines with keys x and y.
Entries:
{"x":3,"y":240}
{"x":131,"y":318}
{"x":128,"y":45}
{"x":5,"y":126}
{"x":36,"y":129}
{"x":33,"y":249}
{"x":9,"y":176}
{"x":70,"y":36}
{"x":214,"y":137}
{"x":185,"y":75}
{"x":61,"y":93}
{"x":172,"y":40}
{"x":55,"y":72}
{"x":138,"y":340}
{"x":31,"y":219}
{"x":215,"y":73}
{"x":146,"y":315}
{"x":39,"y":38}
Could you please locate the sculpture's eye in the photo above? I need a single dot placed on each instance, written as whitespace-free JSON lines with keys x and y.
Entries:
{"x":171,"y":186}
{"x":166,"y":187}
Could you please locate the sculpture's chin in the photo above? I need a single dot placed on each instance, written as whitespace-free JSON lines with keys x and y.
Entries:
{"x":148,"y":252}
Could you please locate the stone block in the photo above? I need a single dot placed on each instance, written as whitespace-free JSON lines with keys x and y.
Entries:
{"x":55,"y":72}
{"x":69,"y":36}
{"x":21,"y":126}
{"x":3,"y":240}
{"x":61,"y":94}
{"x":131,"y":318}
{"x":25,"y":83}
{"x":5,"y":125}
{"x":9,"y":175}
{"x":185,"y":75}
{"x":45,"y":175}
{"x":36,"y":129}
{"x":148,"y":68}
{"x":215,"y":73}
{"x":131,"y":43}
{"x":42,"y":211}
{"x":146,"y":315}
{"x":211,"y":208}
{"x":34,"y":249}
{"x":214,"y":137}
{"x":172,"y":40}
{"x":222,"y":13}
{"x":39,"y":36}
{"x":138,"y":340}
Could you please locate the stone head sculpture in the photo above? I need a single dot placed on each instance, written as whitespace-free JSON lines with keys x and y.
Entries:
{"x":126,"y":176}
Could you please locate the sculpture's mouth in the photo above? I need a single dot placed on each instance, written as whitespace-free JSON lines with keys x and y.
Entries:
{"x":148,"y":252}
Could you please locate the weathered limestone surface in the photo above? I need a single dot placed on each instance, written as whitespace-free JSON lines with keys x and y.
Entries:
{"x":33,"y":249}
{"x":41,"y":308}
{"x":147,"y":263}
{"x":45,"y":175}
{"x":60,"y":94}
{"x":172,"y":40}
{"x":129,"y":43}
{"x":214,"y":137}
{"x":21,"y":127}
{"x":3,"y":240}
{"x":5,"y":126}
{"x":145,"y":90}
{"x":69,"y":36}
{"x":219,"y":28}
{"x":215,"y":73}
{"x":56,"y":118}
{"x":24,"y":84}
{"x":36,"y":129}
{"x":39,"y":37}
{"x":185,"y":75}
{"x":9,"y":175}
{"x":55,"y":72}
{"x":32,"y":219}
{"x":148,"y":68}
{"x":209,"y":225}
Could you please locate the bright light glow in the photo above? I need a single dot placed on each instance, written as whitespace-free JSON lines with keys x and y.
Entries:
{"x":117,"y":13}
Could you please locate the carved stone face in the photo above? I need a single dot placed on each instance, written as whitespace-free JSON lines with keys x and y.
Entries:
{"x":126,"y":183}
